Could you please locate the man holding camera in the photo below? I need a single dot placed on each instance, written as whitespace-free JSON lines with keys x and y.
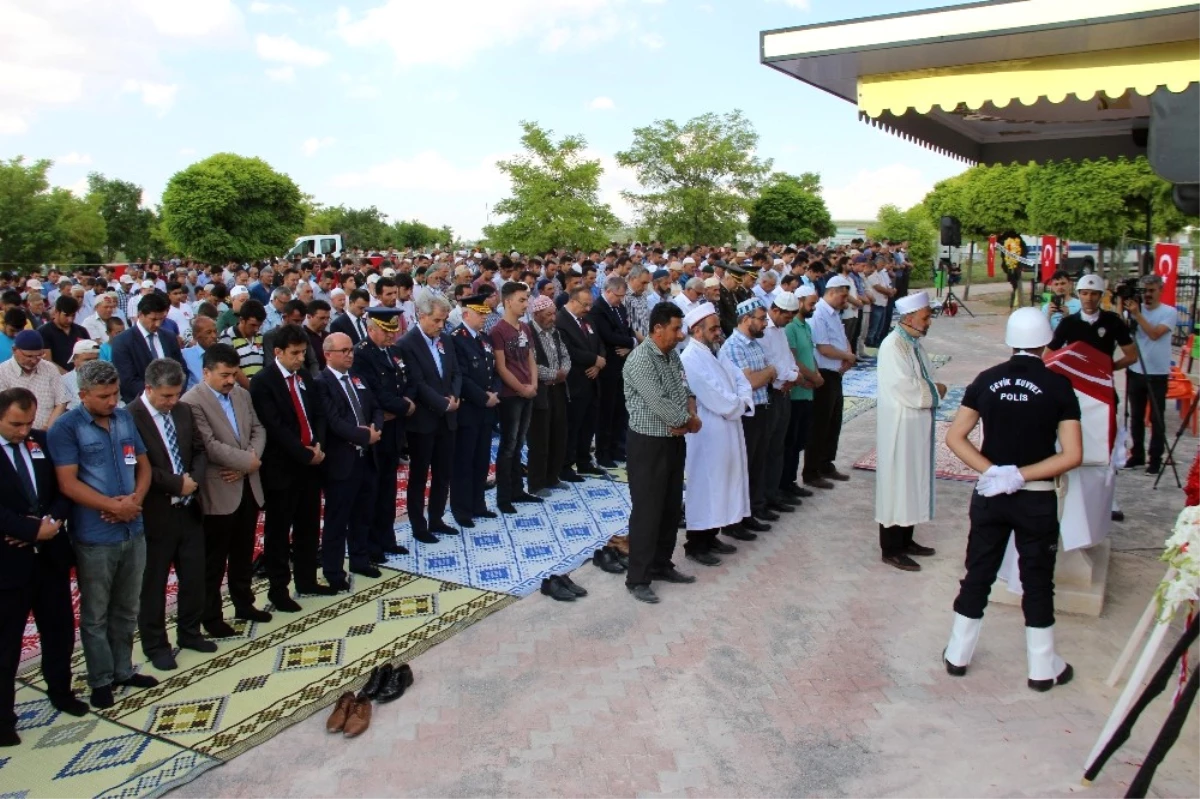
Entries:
{"x":1147,"y":378}
{"x":1061,"y":302}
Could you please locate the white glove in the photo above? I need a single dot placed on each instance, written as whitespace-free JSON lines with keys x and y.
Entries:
{"x":987,"y":485}
{"x":1000,"y":480}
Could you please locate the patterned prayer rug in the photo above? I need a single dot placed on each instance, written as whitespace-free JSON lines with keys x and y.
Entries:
{"x":863,"y":381}
{"x":946,"y":464}
{"x":948,"y":407}
{"x":856,"y":406}
{"x":216,"y":706}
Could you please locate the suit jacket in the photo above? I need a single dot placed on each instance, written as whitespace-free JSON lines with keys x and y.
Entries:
{"x":165,"y":485}
{"x":17,"y":563}
{"x":385,"y":376}
{"x":286,"y":459}
{"x":345,"y":324}
{"x":478,"y":364}
{"x":311,"y":362}
{"x":583,"y":347}
{"x":612,"y":326}
{"x":426,"y":387}
{"x":131,"y":354}
{"x":345,"y":435}
{"x":225,"y":450}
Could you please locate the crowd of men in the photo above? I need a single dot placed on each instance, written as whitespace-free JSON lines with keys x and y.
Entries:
{"x":150,"y":412}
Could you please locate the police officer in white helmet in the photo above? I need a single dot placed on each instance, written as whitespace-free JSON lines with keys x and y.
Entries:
{"x":1025,"y":409}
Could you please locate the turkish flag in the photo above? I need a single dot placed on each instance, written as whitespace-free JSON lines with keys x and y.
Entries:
{"x":1049,"y":249}
{"x":991,"y":256}
{"x":1166,"y":266}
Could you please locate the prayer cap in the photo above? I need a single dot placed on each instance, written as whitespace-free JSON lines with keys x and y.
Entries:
{"x":837,"y":282}
{"x":786,"y":301}
{"x":805,"y":291}
{"x":29,"y":340}
{"x":912,"y":302}
{"x":700,"y":312}
{"x":747,"y":307}
{"x":541,"y":303}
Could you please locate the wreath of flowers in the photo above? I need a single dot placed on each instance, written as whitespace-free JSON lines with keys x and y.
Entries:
{"x":1183,"y":555}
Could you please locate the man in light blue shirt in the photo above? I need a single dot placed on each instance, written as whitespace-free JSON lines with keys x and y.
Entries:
{"x":1152,"y":323}
{"x":833,"y":358}
{"x":1061,"y":303}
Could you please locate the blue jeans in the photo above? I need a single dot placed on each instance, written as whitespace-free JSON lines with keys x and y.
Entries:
{"x":110,"y":584}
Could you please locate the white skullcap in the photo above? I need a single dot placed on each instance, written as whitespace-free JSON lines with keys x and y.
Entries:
{"x":837,"y":282}
{"x":711,"y":283}
{"x":689,"y":260}
{"x":912,"y":302}
{"x":805,"y":291}
{"x":700,"y":312}
{"x":337,"y":292}
{"x":238,"y":291}
{"x":777,"y":262}
{"x":786,"y":301}
{"x":1090,"y":283}
{"x":389,"y":272}
{"x":372,"y":279}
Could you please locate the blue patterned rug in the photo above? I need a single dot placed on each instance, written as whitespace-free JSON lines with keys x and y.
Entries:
{"x":513,"y":553}
{"x":949,"y":404}
{"x":863,"y":381}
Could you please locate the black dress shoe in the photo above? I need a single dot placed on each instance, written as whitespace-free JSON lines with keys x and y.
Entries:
{"x":400,"y":679}
{"x":1135,"y":463}
{"x":1061,"y":679}
{"x":197,"y":645}
{"x":834,"y":474}
{"x":819,"y":482}
{"x":461,"y":522}
{"x":570,"y":477}
{"x":9,"y":737}
{"x":577,"y":590}
{"x":220,"y":629}
{"x":740,"y":532}
{"x":102,"y":698}
{"x":782,"y":507}
{"x":793,"y":490}
{"x":554,"y":588}
{"x":1118,"y":516}
{"x":557,"y":484}
{"x":377,"y":557}
{"x":315,"y":589}
{"x":703,"y":558}
{"x":395,"y":549}
{"x":376,"y":680}
{"x":951,"y":669}
{"x":673,"y":575}
{"x":643,"y":593}
{"x":439,"y":527}
{"x":284,"y":603}
{"x":251,"y":614}
{"x":524,"y":497}
{"x":425,"y":537}
{"x":921,"y":552}
{"x":489,"y":484}
{"x":138,"y":681}
{"x":163,"y":661}
{"x":721,"y":548}
{"x":365,"y":571}
{"x":506,"y":507}
{"x":765,"y":515}
{"x":622,"y":559}
{"x":902,"y":562}
{"x":341,"y":586}
{"x":69,"y":703}
{"x":606,"y":463}
{"x":1154,"y":468}
{"x":487,"y":514}
{"x":605,"y":559}
{"x":592,"y":470}
{"x":754,"y":525}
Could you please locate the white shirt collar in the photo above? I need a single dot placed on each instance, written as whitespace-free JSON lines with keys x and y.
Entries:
{"x":286,"y":373}
{"x":1089,"y":318}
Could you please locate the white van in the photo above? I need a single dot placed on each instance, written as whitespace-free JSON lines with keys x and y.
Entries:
{"x":319,"y":244}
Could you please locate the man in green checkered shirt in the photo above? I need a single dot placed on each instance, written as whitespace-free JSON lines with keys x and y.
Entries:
{"x":661,"y":411}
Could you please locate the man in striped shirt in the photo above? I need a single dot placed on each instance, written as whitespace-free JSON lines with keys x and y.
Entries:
{"x":246,"y":339}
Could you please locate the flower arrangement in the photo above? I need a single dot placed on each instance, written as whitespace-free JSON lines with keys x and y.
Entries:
{"x":1183,"y":555}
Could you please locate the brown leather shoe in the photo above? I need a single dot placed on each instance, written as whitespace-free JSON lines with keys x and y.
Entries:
{"x":337,"y":719}
{"x":620,"y":543}
{"x":359,"y":717}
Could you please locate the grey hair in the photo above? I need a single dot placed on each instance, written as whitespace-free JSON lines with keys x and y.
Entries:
{"x":637,"y":271}
{"x":430,"y":300}
{"x":164,"y":372}
{"x":97,"y":373}
{"x":614,"y":283}
{"x":765,"y":275}
{"x":281,"y":293}
{"x":695,"y":284}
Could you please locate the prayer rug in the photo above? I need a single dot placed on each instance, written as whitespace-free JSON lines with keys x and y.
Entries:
{"x":855,"y":406}
{"x":514,"y":552}
{"x":863,"y":381}
{"x":948,"y":407}
{"x":217,"y":706}
{"x":946,"y":464}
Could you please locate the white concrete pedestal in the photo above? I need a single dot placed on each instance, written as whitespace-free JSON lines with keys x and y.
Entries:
{"x":1080,"y":577}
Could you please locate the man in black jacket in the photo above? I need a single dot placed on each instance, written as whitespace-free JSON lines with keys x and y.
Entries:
{"x":476,"y":414}
{"x":587,"y":360}
{"x":610,"y":319}
{"x":35,"y":561}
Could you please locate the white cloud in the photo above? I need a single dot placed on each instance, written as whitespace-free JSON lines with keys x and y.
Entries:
{"x":73,"y":158}
{"x":159,"y":96}
{"x":79,"y":188}
{"x":803,"y":5}
{"x":652,"y":41}
{"x":602,"y":104}
{"x":11,"y":124}
{"x":313,"y":144}
{"x":862,"y":195}
{"x":285,"y":50}
{"x":191,"y":19}
{"x":284,"y":74}
{"x":187,"y":150}
{"x":270,"y":8}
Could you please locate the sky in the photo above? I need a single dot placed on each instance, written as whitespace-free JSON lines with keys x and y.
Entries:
{"x":407,"y":104}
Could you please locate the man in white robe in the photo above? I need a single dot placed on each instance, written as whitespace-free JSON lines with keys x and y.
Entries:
{"x":905,"y":429}
{"x":715,"y":471}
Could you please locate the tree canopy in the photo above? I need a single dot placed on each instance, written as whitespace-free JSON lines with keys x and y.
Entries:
{"x":41,"y":225}
{"x":127,"y":224}
{"x":913,"y":226}
{"x":790,"y":209}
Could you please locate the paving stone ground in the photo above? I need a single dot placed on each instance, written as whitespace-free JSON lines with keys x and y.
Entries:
{"x":801,"y":666}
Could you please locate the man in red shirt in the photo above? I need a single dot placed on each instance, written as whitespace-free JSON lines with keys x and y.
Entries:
{"x":512,"y":343}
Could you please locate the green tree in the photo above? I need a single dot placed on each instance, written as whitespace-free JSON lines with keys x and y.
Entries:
{"x":82,"y":231}
{"x":414,"y":234}
{"x":555,"y":198}
{"x":913,"y":226}
{"x":701,"y":177}
{"x":360,"y":227}
{"x":229,"y":206}
{"x":790,"y":209}
{"x":29,"y":231}
{"x":984,"y":199}
{"x":126,"y":222}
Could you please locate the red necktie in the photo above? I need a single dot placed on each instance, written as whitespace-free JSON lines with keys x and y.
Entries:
{"x":305,"y":430}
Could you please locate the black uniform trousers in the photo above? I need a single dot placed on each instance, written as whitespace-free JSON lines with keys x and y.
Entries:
{"x":826,"y":426}
{"x":656,"y":496}
{"x":514,"y":413}
{"x":176,"y":539}
{"x":382,"y":528}
{"x":612,"y":417}
{"x":429,"y":453}
{"x":895,"y":540}
{"x":799,"y":422}
{"x":293,"y":513}
{"x":349,"y":505}
{"x":780,"y":412}
{"x":229,"y":540}
{"x":548,"y":439}
{"x":48,"y":595}
{"x":757,"y":429}
{"x":1145,"y":389}
{"x":581,"y":425}
{"x":472,"y":456}
{"x":1033,"y":517}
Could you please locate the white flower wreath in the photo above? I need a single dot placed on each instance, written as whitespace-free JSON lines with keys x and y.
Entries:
{"x":1183,"y":555}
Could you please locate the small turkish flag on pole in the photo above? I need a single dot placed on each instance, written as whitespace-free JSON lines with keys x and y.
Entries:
{"x":1166,"y":266}
{"x":1049,"y":261}
{"x":991,"y":256}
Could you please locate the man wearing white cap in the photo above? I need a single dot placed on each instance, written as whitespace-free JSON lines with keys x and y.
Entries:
{"x":799,"y":338}
{"x":715,"y":470}
{"x":904,"y":430}
{"x":779,"y":355}
{"x":833,"y":359}
{"x":84,"y":350}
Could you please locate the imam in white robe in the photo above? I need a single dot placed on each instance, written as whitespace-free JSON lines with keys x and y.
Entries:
{"x":904,"y":482}
{"x":718,"y":480}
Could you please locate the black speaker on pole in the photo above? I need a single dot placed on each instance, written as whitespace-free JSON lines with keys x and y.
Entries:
{"x":951,"y":232}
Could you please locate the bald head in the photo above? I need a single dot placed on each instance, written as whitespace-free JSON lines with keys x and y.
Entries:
{"x":339,"y":352}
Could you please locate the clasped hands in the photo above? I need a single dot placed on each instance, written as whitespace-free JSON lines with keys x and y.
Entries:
{"x":692,"y":425}
{"x":1000,"y":480}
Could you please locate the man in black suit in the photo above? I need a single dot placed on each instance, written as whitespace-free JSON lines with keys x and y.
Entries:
{"x":476,"y":414}
{"x":288,"y":405}
{"x":143,"y":342}
{"x":171,"y":512}
{"x":610,"y":319}
{"x":293,"y":314}
{"x":35,"y":561}
{"x":354,"y":425}
{"x":435,"y":384}
{"x":587,"y":360}
{"x":354,"y":321}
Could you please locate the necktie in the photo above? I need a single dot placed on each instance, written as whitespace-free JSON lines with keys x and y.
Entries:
{"x":305,"y":430}
{"x":24,"y":475}
{"x":153,"y":349}
{"x":353,"y":396}
{"x":362,"y":329}
{"x":173,"y":449}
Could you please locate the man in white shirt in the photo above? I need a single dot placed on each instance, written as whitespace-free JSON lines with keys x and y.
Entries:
{"x":779,"y":406}
{"x":765,"y":289}
{"x":1152,"y":322}
{"x":879,"y":284}
{"x":833,"y":358}
{"x":97,"y":324}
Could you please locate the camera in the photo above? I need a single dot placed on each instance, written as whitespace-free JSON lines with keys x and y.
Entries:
{"x":1127,"y":289}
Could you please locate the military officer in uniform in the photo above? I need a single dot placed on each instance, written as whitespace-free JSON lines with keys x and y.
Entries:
{"x":727,"y":302}
{"x":1025,"y":409}
{"x":379,"y":366}
{"x":743,"y":292}
{"x":476,"y":417}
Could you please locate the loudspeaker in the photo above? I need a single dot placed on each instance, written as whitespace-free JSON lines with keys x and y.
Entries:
{"x":951,"y":232}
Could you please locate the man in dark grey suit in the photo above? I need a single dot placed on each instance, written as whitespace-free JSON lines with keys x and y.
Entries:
{"x":141,"y":343}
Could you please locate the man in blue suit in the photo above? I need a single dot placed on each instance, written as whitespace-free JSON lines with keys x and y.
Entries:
{"x":476,"y":414}
{"x":144,"y":341}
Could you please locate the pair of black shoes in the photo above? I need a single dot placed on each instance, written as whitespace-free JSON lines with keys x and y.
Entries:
{"x":467,"y":522}
{"x":387,"y":682}
{"x":610,"y":560}
{"x":382,"y":555}
{"x":67,"y":703}
{"x":794,"y":490}
{"x":562,"y":588}
{"x":523,"y":497}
